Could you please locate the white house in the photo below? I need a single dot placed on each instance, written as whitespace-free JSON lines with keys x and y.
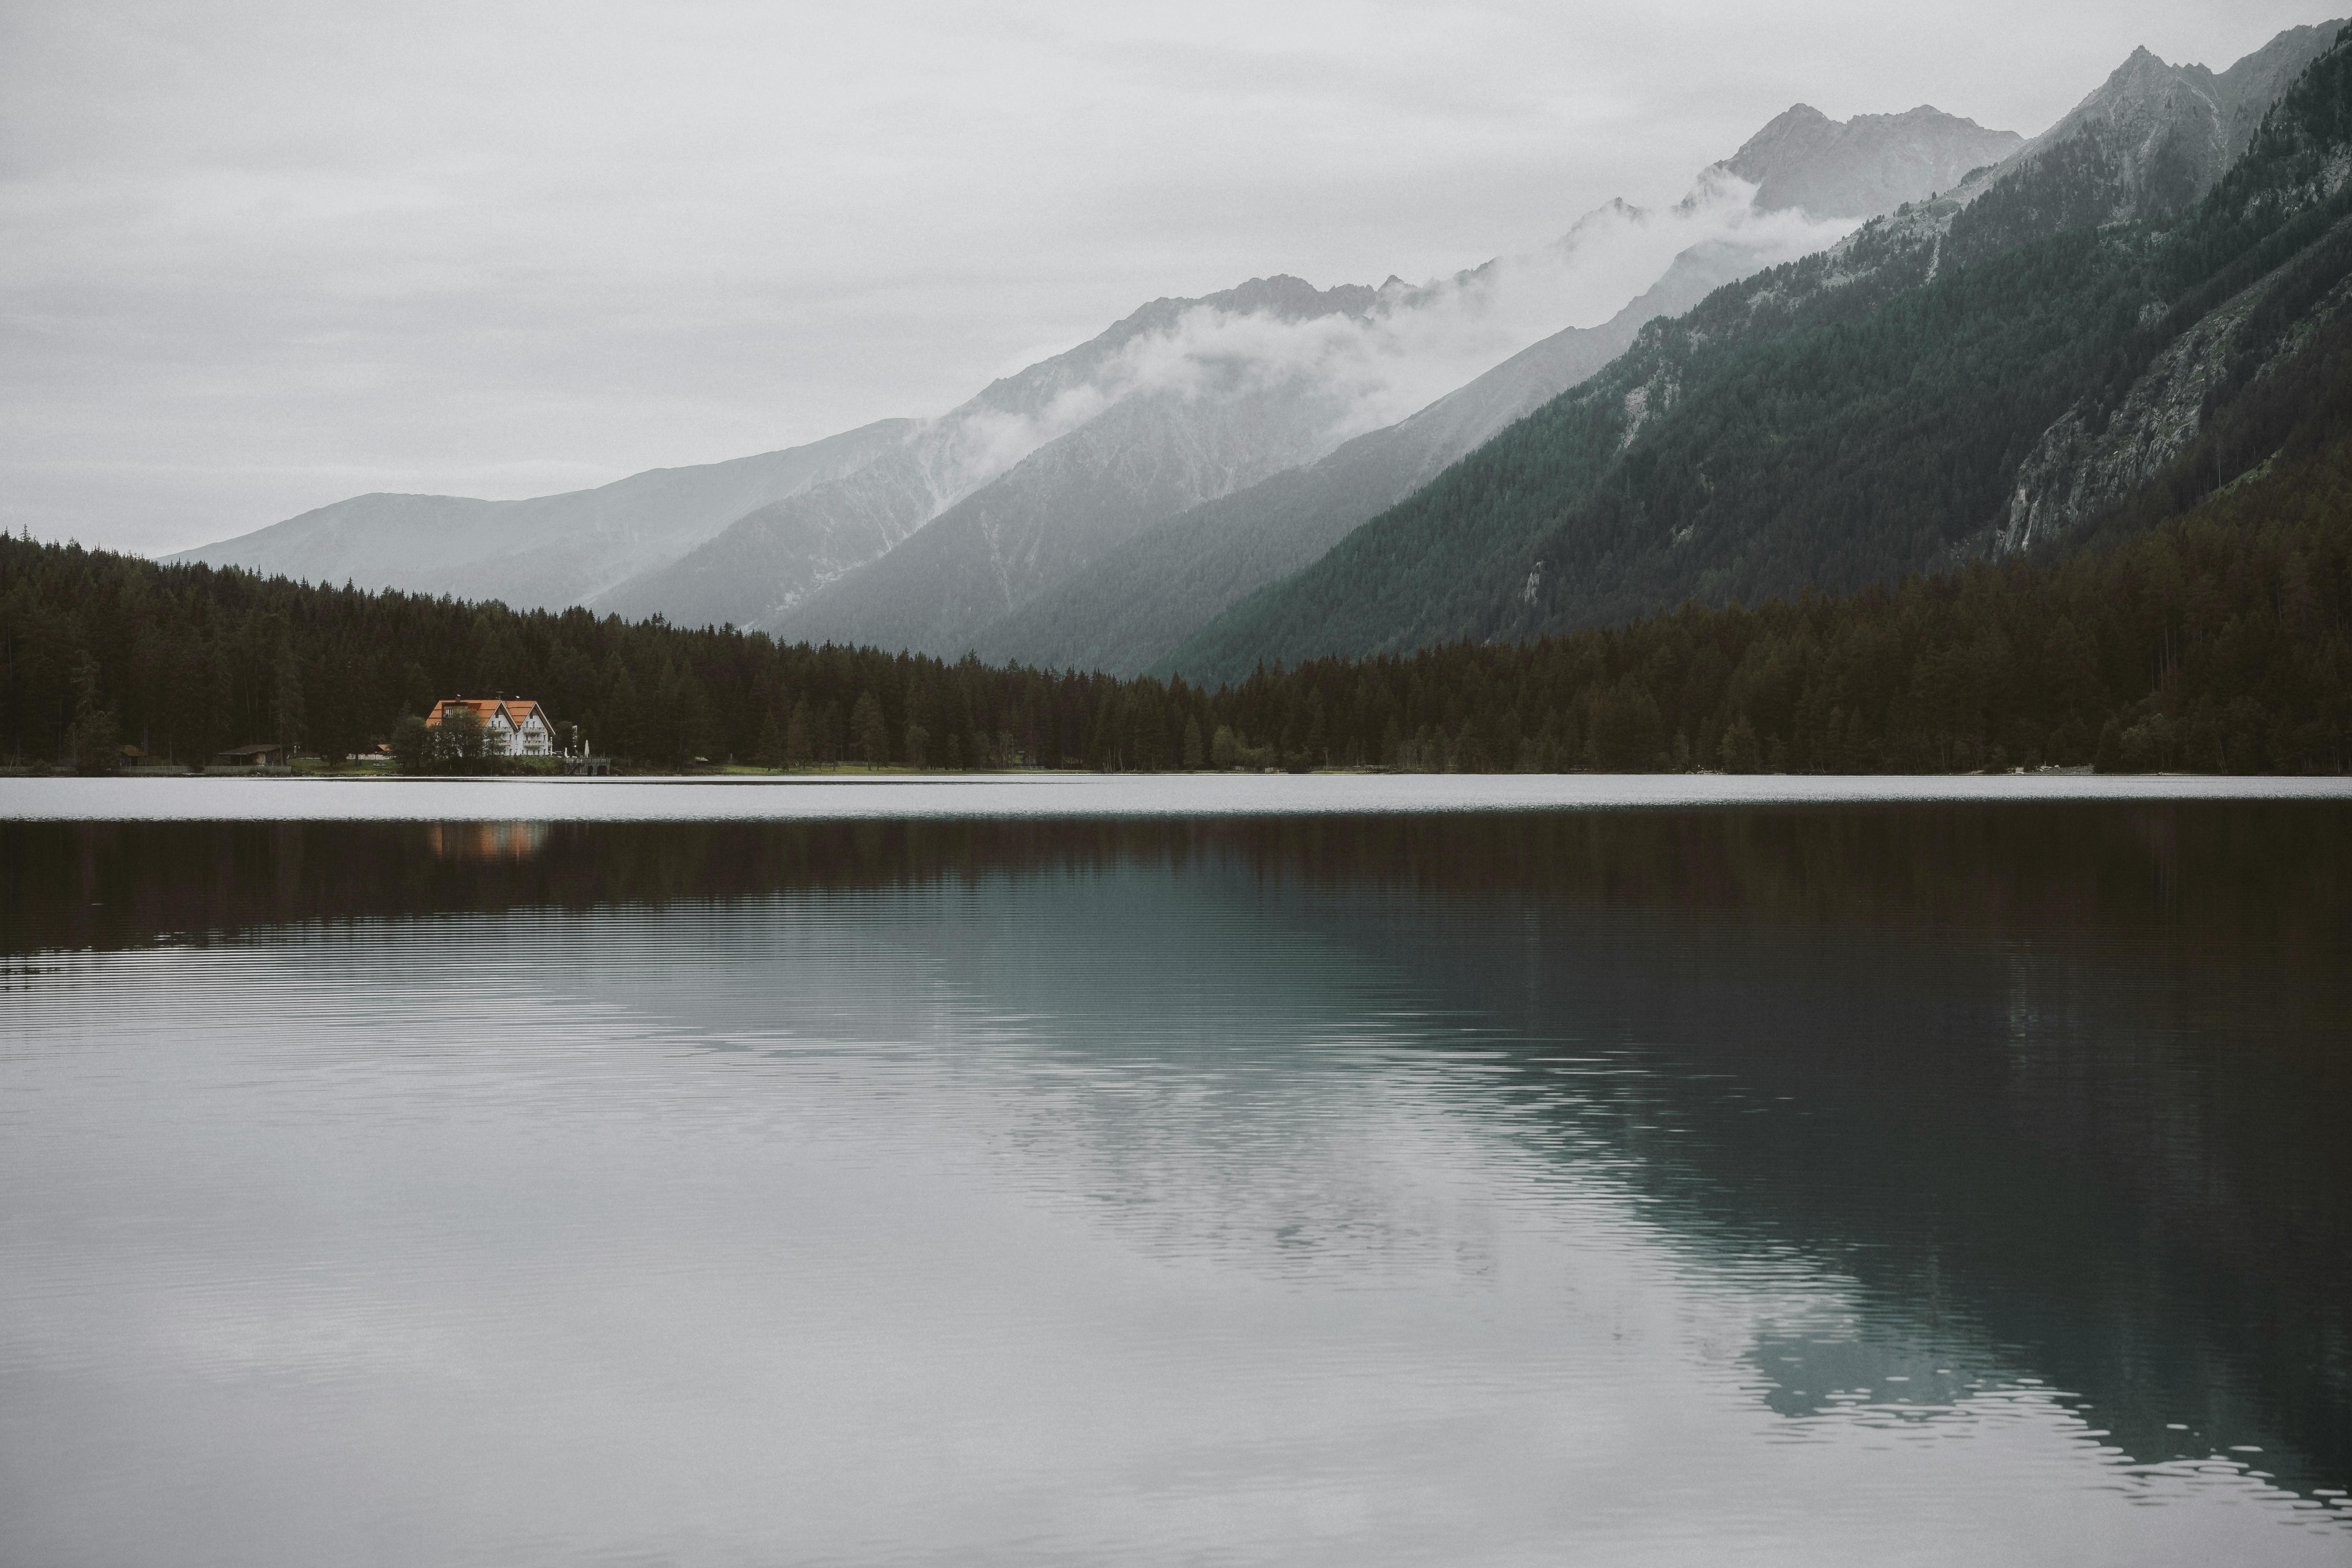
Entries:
{"x":511,"y":726}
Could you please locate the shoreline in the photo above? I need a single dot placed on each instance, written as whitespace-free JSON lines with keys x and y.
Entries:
{"x":813,"y":797}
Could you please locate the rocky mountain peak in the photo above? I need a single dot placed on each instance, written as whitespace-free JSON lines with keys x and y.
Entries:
{"x":1871,"y":163}
{"x":2163,"y":133}
{"x":1293,"y":298}
{"x":2145,"y":85}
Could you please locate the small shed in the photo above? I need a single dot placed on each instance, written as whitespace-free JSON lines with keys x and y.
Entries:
{"x":260,"y":754}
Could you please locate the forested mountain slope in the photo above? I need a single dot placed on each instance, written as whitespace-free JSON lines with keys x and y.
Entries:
{"x":1185,"y":399}
{"x":1847,"y":456}
{"x":1829,"y":424}
{"x":1394,"y":582}
{"x":1145,"y":596}
{"x":1142,"y":598}
{"x":2220,"y":640}
{"x":1236,"y":419}
{"x":2217,"y":641}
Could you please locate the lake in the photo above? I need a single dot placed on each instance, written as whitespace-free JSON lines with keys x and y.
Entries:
{"x":1292,"y":1170}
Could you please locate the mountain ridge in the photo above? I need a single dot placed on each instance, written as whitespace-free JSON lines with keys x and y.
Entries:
{"x":792,"y":543}
{"x":1029,"y":614}
{"x":543,"y":550}
{"x":1491,"y":557}
{"x":1869,"y":164}
{"x":768,"y":563}
{"x":1125,"y":610}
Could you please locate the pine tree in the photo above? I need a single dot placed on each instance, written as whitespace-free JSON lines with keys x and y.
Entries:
{"x":286,"y":702}
{"x":91,"y":738}
{"x":799,"y":749}
{"x":869,"y":733}
{"x":1740,"y":753}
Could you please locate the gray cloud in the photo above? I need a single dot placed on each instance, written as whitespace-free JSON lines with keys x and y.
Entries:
{"x":260,"y":257}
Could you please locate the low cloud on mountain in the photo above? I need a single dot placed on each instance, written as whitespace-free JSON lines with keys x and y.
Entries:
{"x":268,"y":255}
{"x":1413,"y":343}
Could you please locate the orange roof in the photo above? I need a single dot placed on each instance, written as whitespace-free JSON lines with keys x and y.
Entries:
{"x":516,"y":710}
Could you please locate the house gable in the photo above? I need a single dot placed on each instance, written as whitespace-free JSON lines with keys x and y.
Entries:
{"x":515,"y":726}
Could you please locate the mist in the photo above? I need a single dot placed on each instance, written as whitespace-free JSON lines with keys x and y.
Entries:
{"x":1416,"y":343}
{"x":265,"y":256}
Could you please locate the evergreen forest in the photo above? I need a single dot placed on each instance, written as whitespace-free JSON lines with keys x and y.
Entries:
{"x":1860,"y":414}
{"x":1763,"y":540}
{"x":2215,"y":638}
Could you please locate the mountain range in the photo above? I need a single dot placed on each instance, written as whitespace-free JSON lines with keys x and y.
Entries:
{"x":1888,"y":405}
{"x":1855,"y":349}
{"x":1185,"y":401}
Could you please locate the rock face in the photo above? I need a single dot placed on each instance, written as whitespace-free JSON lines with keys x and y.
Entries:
{"x":2165,"y":133}
{"x":2160,"y":136}
{"x":2075,"y":472}
{"x":2150,"y":141}
{"x":1871,"y":163}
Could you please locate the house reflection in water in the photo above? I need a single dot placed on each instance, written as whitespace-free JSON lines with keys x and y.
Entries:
{"x":485,"y":840}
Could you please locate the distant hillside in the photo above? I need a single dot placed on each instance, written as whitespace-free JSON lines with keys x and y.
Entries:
{"x":1023,"y":436}
{"x":1154,"y":453}
{"x":549,"y":550}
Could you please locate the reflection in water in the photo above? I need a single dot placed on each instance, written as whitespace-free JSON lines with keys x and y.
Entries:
{"x":485,"y":840}
{"x":1929,"y":1184}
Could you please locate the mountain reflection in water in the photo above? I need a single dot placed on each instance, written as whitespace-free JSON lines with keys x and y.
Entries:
{"x":1971,"y":1115}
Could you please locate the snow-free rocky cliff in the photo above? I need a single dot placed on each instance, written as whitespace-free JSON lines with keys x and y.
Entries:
{"x":1869,"y":165}
{"x":2091,"y":459}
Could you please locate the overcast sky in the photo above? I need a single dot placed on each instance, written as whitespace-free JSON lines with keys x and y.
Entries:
{"x":260,"y":257}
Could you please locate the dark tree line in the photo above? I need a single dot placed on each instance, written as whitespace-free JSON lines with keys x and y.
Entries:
{"x":185,"y":661}
{"x":2217,"y":641}
{"x":2212,"y":639}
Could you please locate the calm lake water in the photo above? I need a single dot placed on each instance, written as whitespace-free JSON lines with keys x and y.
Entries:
{"x":1944,"y":1181}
